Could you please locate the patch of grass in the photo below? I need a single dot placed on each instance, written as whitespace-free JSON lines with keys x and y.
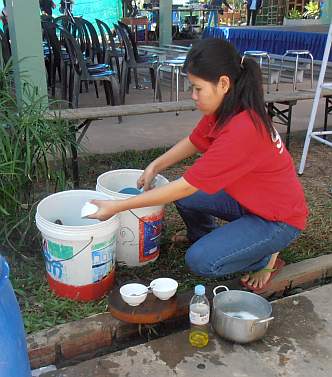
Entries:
{"x":41,"y":309}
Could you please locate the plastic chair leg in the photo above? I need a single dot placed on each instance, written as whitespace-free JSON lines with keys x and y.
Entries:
{"x":107,"y":92}
{"x":76,"y":90}
{"x":72,"y":74}
{"x":118,"y":67}
{"x":53,"y":79}
{"x":96,"y":88}
{"x":136,"y":79}
{"x":124,"y":75}
{"x":115,"y":93}
{"x":157,"y":84}
{"x":128,"y":80}
{"x":153,"y":78}
{"x":63,"y":82}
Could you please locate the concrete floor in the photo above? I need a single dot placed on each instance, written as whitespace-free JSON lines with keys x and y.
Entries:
{"x":153,"y":130}
{"x":297,"y":344}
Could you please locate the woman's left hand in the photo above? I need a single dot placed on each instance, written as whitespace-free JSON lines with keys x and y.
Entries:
{"x":106,"y":209}
{"x":146,"y":179}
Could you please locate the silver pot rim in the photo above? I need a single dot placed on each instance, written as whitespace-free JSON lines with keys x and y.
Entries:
{"x":244,"y":293}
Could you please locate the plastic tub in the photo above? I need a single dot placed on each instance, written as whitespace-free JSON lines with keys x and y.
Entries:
{"x":140,"y":229}
{"x":80,"y":254}
{"x":14,"y":359}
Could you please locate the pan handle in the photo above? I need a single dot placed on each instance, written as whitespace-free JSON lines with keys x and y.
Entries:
{"x":252,"y":327}
{"x":219,"y":286}
{"x":263,"y":321}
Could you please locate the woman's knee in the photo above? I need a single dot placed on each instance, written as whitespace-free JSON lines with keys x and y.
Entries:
{"x":185,"y":203}
{"x":197,"y":262}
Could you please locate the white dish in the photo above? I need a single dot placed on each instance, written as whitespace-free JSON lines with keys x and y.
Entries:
{"x":133,"y":293}
{"x":88,"y":209}
{"x":164,"y":288}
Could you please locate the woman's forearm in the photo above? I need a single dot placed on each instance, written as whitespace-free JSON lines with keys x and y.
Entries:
{"x":165,"y":194}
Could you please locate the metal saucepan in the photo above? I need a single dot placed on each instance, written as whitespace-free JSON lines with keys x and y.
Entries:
{"x":240,"y":316}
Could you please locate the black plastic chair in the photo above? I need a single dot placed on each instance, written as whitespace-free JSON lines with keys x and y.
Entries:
{"x":90,"y":46}
{"x":109,"y":50}
{"x":81,"y":73}
{"x":130,"y":62}
{"x":77,"y":30}
{"x":93,"y":48}
{"x":64,"y":21}
{"x":81,"y":30}
{"x":56,"y":57}
{"x":131,"y":37}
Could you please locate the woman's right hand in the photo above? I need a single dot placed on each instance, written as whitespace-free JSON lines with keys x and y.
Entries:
{"x":145,"y":180}
{"x":106,"y":209}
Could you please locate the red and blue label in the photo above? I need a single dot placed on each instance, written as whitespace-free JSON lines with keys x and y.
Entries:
{"x":149,"y":236}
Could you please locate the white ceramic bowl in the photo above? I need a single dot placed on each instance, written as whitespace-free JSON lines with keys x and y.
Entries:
{"x":133,"y":294}
{"x":164,"y":288}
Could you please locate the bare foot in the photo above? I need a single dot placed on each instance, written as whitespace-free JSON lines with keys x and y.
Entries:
{"x":180,"y":238}
{"x":258,"y":279}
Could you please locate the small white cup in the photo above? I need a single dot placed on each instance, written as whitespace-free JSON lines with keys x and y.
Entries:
{"x":164,"y":288}
{"x":133,"y":293}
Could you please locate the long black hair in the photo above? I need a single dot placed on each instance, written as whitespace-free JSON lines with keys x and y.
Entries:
{"x":211,"y":58}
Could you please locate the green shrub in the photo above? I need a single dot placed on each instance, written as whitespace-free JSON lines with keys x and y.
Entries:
{"x":294,"y":14}
{"x":33,"y":158}
{"x":312,"y":10}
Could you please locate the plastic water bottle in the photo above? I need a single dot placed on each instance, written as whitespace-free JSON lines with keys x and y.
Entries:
{"x":199,"y":315}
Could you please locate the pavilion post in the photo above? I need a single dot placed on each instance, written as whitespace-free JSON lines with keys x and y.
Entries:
{"x":326,"y":16}
{"x":165,"y":22}
{"x":26,"y":44}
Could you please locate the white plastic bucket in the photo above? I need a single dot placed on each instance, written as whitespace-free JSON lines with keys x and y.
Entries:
{"x":140,"y":229}
{"x":80,"y":254}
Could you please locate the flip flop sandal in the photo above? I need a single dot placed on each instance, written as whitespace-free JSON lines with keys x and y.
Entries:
{"x":278,"y":266}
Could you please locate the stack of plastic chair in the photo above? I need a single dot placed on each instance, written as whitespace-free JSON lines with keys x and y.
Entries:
{"x":81,"y":73}
{"x":130,"y":62}
{"x":109,"y":50}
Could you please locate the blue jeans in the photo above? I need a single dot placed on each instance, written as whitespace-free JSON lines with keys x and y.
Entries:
{"x":245,"y":243}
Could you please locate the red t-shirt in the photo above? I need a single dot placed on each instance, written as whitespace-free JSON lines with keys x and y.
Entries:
{"x":251,"y":166}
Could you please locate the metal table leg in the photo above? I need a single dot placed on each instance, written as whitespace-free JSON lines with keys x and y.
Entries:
{"x":284,"y":116}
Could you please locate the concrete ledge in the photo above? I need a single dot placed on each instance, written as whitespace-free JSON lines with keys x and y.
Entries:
{"x":71,"y":339}
{"x":308,"y":272}
{"x":87,"y":336}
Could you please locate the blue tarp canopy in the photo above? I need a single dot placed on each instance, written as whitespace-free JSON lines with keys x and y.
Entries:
{"x":108,"y":11}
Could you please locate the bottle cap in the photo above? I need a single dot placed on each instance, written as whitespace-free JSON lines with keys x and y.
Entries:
{"x":199,"y":290}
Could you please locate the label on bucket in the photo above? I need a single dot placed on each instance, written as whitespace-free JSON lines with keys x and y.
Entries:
{"x":149,"y":236}
{"x":103,"y":259}
{"x":79,"y":265}
{"x":60,"y":251}
{"x":54,"y":250}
